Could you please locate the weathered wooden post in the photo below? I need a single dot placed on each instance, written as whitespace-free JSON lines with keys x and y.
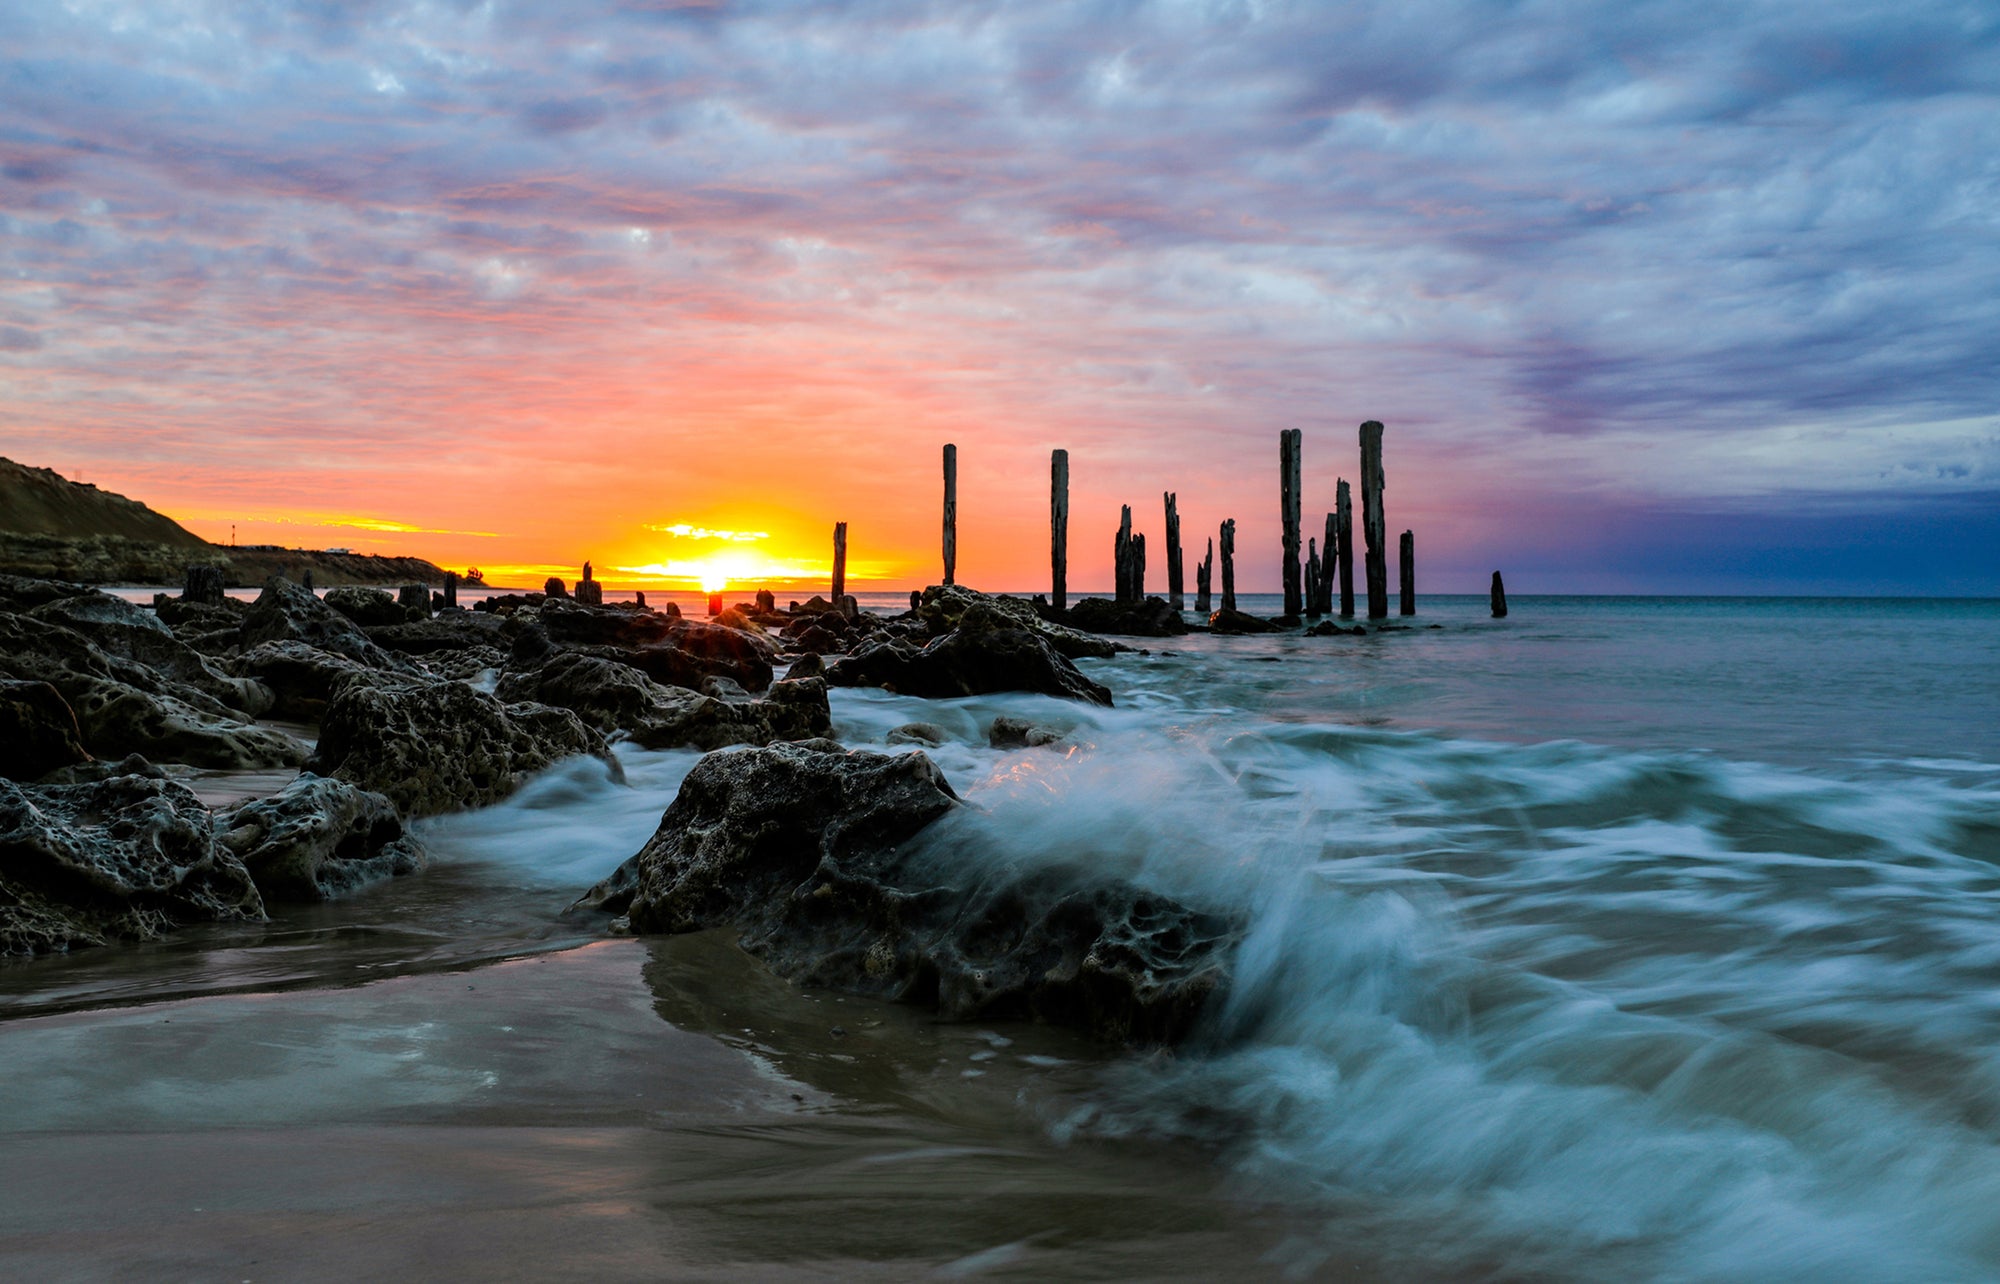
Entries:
{"x":1374,"y":528}
{"x":1326,"y":565}
{"x":451,"y":590}
{"x":916,"y":599}
{"x":1176,"y":599}
{"x":1059,"y":529}
{"x":416,"y":599}
{"x":1406,"y":564}
{"x":306,"y":579}
{"x":1312,"y":578}
{"x":639,"y":599}
{"x":1343,"y":520}
{"x":1499,"y":598}
{"x":950,"y":513}
{"x":1204,"y":576}
{"x":839,"y":561}
{"x":767,"y":602}
{"x":1289,"y":449}
{"x":1229,"y":565}
{"x":1121,"y":557}
{"x":588,"y":591}
{"x":202,"y":584}
{"x":1138,"y":568}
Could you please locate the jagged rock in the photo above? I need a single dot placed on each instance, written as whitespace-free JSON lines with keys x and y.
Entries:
{"x":814,"y":640}
{"x":928,"y":734}
{"x":1332,"y":629}
{"x":830,"y":622}
{"x":466,"y":664}
{"x":130,"y":632}
{"x":818,"y":859}
{"x":988,"y":651}
{"x":318,"y":838}
{"x":452,"y":631}
{"x":38,"y":731}
{"x":442,"y":746}
{"x":735,"y":617}
{"x":25,"y":592}
{"x":202,"y":624}
{"x":610,"y":696}
{"x":284,"y":612}
{"x":1019,"y":733}
{"x":368,"y":607}
{"x":130,"y":858}
{"x":943,"y":605}
{"x":301,"y":678}
{"x":807,"y":666}
{"x":566,"y":622}
{"x":1151,"y":618}
{"x":1239,"y":622}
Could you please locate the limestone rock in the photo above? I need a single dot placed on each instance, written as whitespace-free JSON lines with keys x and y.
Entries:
{"x":1019,"y":733}
{"x":129,"y":857}
{"x":442,"y":746}
{"x":988,"y":651}
{"x":1150,"y":618}
{"x":284,"y":612}
{"x":819,"y":859}
{"x":928,"y":734}
{"x":368,"y":607}
{"x":301,"y":678}
{"x":614,"y":697}
{"x":1228,"y":621}
{"x":319,"y":838}
{"x":38,"y":731}
{"x":943,"y":605}
{"x":130,"y":632}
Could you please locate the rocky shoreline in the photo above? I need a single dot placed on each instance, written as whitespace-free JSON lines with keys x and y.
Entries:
{"x":828,"y":863}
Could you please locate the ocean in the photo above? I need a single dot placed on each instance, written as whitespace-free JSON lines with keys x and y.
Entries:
{"x":1622,"y":938}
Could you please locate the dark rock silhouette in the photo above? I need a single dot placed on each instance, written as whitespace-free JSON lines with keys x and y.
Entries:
{"x":318,"y":838}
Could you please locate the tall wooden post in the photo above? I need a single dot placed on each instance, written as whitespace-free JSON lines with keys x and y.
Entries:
{"x":1175,"y":598}
{"x":451,"y":590}
{"x":1204,"y":576}
{"x":1121,"y":557}
{"x":1059,"y":528}
{"x":1289,"y":450}
{"x":1374,"y":528}
{"x":1138,"y":568}
{"x":1406,"y":564}
{"x":1229,"y":565}
{"x":950,"y":513}
{"x":1343,"y":521}
{"x":1499,"y":598}
{"x":1312,"y":578}
{"x":1327,"y":565}
{"x":839,"y":561}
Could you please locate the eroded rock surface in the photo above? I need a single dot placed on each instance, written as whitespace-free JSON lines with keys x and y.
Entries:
{"x":614,"y":697}
{"x":127,"y":858}
{"x":1151,"y":618}
{"x":38,"y":731}
{"x":819,"y":858}
{"x":989,"y":650}
{"x":318,"y":838}
{"x":943,"y":606}
{"x":442,"y":746}
{"x":285,"y":612}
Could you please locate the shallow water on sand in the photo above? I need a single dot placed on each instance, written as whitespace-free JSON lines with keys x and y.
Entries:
{"x":1646,"y":937}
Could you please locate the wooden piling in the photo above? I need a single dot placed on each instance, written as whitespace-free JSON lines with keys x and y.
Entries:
{"x":451,"y":590}
{"x":950,"y":513}
{"x":1204,"y":576}
{"x":1327,"y":565}
{"x":1138,"y":554}
{"x":839,"y":561}
{"x":1289,"y":449}
{"x":1406,"y":565}
{"x":1229,"y":565}
{"x":588,"y":591}
{"x":1121,"y":557}
{"x":1059,"y":529}
{"x":1343,"y":521}
{"x":1499,"y":598}
{"x":416,"y":599}
{"x":1176,"y":599}
{"x":1374,"y":528}
{"x":1312,"y":578}
{"x":202,"y":584}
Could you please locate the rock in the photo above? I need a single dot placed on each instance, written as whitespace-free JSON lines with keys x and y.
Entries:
{"x":442,"y":746}
{"x":736,"y":617}
{"x":284,"y":612}
{"x":1332,"y":629}
{"x":807,"y":666}
{"x":1019,"y":733}
{"x":766,"y":602}
{"x":368,"y":607}
{"x":195,"y":623}
{"x":452,"y":631}
{"x":317,"y":838}
{"x":466,"y":664}
{"x":814,"y":640}
{"x":988,"y":651}
{"x":928,"y":734}
{"x":301,"y":678}
{"x":130,"y":632}
{"x":1151,"y":618}
{"x":38,"y":731}
{"x":128,"y":858}
{"x":819,"y":859}
{"x":699,"y":649}
{"x":25,"y":592}
{"x":553,"y":588}
{"x":943,"y":605}
{"x":614,"y":697}
{"x":1227,"y":621}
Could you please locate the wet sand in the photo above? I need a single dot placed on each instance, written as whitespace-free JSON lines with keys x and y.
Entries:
{"x":622,"y":1110}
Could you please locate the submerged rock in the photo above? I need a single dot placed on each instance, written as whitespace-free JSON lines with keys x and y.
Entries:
{"x":813,"y":855}
{"x":38,"y":731}
{"x":130,"y":857}
{"x":1151,"y":618}
{"x":1019,"y":733}
{"x":442,"y":746}
{"x":990,"y":650}
{"x":318,"y":838}
{"x":1239,"y":622}
{"x":928,"y":734}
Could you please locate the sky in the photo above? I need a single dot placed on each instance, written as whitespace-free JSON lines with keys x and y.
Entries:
{"x":1652,"y":297}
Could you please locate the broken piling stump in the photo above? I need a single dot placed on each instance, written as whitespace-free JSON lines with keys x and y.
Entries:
{"x":1375,"y":531}
{"x":1312,"y":579}
{"x":1121,"y":557}
{"x":1343,"y":521}
{"x":416,"y":599}
{"x":1204,"y":576}
{"x":1229,"y":565}
{"x":1175,"y":599}
{"x":1499,"y":598}
{"x":588,"y":591}
{"x":1406,"y":565}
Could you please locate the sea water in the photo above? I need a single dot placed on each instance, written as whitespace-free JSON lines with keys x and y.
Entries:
{"x":1620,"y":938}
